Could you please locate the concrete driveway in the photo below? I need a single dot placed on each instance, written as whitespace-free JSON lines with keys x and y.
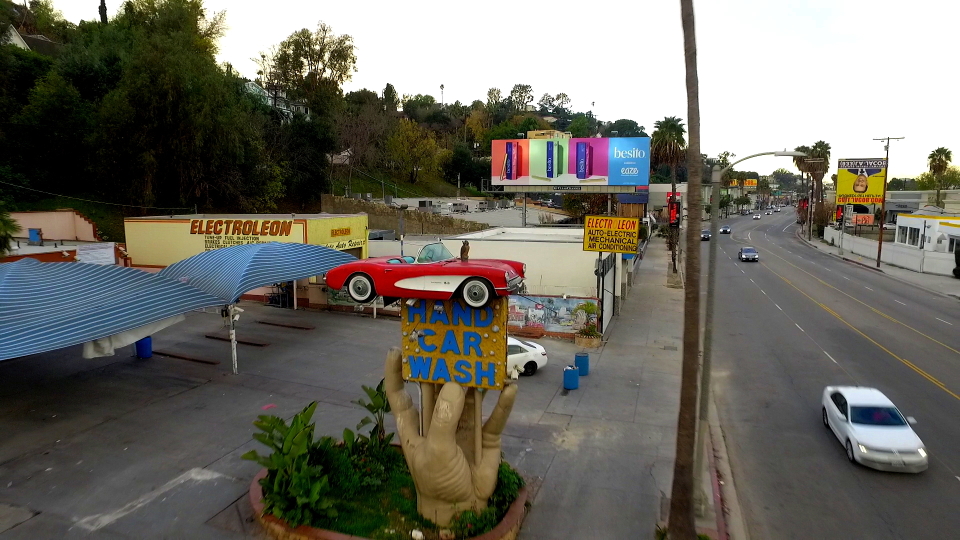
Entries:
{"x":120,"y":447}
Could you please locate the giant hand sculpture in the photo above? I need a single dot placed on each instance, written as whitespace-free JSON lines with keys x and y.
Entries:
{"x":448,"y":474}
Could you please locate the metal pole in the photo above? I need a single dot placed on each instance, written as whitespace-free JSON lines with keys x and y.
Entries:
{"x":811,"y":195}
{"x":609,"y":204}
{"x":883,"y":202}
{"x":233,"y":338}
{"x":524,"y":210}
{"x":708,"y":332}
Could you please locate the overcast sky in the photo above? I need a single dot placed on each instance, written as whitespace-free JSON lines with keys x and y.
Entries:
{"x":773,"y":74}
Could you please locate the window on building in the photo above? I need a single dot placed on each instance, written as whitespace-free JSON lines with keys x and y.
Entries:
{"x":902,"y":235}
{"x":914,"y":236}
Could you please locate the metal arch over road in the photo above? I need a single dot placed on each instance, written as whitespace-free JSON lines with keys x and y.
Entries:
{"x":775,"y":351}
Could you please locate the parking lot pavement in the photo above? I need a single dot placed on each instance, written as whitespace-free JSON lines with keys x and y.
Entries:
{"x":121,"y":447}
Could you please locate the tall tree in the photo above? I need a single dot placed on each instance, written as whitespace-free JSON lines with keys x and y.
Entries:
{"x":412,"y":149}
{"x":546,"y":104}
{"x":520,"y":96}
{"x":624,"y":128}
{"x":580,"y":127}
{"x":669,"y":148}
{"x":818,"y":167}
{"x":937,"y":162}
{"x":681,"y":524}
{"x":391,"y":101}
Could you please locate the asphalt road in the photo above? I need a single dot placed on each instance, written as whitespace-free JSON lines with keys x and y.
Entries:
{"x":798,"y":321}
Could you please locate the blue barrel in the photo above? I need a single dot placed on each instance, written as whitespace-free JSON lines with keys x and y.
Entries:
{"x":145,"y":347}
{"x":582,"y":361}
{"x":571,"y":378}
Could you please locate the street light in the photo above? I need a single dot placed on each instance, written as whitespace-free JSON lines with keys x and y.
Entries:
{"x":716,"y":176}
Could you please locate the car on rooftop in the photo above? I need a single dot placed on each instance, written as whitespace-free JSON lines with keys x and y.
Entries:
{"x":872,"y":430}
{"x":433,"y":274}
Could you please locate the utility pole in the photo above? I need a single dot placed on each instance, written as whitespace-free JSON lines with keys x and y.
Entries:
{"x":883,"y":201}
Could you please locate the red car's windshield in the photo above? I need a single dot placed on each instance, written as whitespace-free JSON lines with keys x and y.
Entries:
{"x":434,"y":253}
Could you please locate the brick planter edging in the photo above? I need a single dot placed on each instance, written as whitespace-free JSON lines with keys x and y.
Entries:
{"x":507,"y":529}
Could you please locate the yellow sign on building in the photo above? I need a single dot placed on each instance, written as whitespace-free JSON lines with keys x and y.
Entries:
{"x":448,"y":341}
{"x":611,"y":234}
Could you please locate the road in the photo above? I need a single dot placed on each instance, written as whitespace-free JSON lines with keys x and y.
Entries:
{"x":801,"y":320}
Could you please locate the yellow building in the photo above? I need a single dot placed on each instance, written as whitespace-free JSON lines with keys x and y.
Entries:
{"x":156,"y":242}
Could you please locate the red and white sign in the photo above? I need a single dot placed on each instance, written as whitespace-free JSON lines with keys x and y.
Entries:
{"x":678,"y":195}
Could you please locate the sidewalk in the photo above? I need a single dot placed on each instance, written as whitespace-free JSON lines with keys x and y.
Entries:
{"x":930,"y":282}
{"x":612,"y":471}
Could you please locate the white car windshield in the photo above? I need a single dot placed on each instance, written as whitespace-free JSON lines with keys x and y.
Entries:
{"x":876,"y":416}
{"x":434,"y":253}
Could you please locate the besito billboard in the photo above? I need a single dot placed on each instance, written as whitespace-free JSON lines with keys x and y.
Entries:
{"x":571,"y":162}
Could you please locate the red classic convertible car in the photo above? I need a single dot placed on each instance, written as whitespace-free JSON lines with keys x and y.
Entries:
{"x":434,"y":274}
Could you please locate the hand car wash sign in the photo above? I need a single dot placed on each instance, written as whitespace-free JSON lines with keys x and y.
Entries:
{"x":447,"y":341}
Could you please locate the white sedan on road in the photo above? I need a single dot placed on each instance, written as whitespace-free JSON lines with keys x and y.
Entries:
{"x":525,"y":357}
{"x":872,"y":430}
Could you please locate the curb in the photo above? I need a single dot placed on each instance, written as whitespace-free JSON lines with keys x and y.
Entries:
{"x":891,"y":276}
{"x":730,"y":519}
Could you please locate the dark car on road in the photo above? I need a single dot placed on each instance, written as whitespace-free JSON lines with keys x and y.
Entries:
{"x":725,"y":229}
{"x":748,"y":254}
{"x":705,"y":234}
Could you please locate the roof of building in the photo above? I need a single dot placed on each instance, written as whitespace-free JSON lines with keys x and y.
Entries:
{"x":271,"y":217}
{"x":528,"y":234}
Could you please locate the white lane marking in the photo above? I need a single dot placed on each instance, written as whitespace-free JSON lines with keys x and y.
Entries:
{"x":764,"y":292}
{"x":99,"y":521}
{"x":846,"y":278}
{"x":798,"y":326}
{"x":937,"y":318}
{"x":828,"y":270}
{"x":787,"y":227}
{"x":867,"y":288}
{"x":741,"y":271}
{"x":899,"y":302}
{"x":752,"y":281}
{"x":748,"y":237}
{"x":830,"y":357}
{"x":778,"y":307}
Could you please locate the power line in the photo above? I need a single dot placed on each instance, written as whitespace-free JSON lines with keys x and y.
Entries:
{"x":98,"y":202}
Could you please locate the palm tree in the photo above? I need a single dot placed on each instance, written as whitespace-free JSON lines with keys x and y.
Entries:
{"x":818,"y":166}
{"x":668,"y":147}
{"x":8,"y":228}
{"x":938,"y":161}
{"x":681,"y":523}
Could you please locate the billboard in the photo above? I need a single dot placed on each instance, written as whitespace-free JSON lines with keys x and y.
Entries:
{"x":611,"y":234}
{"x":595,"y":164}
{"x":861,"y":181}
{"x":863,"y":219}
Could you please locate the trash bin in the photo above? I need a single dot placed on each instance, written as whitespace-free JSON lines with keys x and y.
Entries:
{"x":582,"y":361}
{"x":571,"y":378}
{"x":145,"y":347}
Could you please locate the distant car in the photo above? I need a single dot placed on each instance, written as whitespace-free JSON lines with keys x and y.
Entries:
{"x":725,"y":229}
{"x":756,"y":216}
{"x":434,"y":274}
{"x":525,"y":357}
{"x":769,"y":212}
{"x":705,"y":234}
{"x":872,"y":430}
{"x":777,"y":209}
{"x":748,"y":254}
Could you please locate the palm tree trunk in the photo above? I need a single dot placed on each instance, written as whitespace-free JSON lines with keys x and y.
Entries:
{"x":682,"y":525}
{"x":938,"y":182}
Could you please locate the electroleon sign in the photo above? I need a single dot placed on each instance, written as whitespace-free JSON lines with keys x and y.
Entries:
{"x":448,"y":341}
{"x":611,"y":234}
{"x":620,"y":164}
{"x":220,"y":233}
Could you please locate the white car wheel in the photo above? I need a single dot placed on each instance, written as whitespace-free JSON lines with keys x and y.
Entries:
{"x":476,"y":293}
{"x":360,"y":288}
{"x":850,"y":455}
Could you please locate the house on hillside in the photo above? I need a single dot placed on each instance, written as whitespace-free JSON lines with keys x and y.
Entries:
{"x":279,"y":101}
{"x":33,"y":42}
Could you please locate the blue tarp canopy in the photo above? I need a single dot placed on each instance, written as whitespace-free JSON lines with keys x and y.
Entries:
{"x":47,"y":306}
{"x":229,"y":272}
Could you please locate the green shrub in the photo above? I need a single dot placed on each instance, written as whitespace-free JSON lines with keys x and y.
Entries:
{"x":471,"y":523}
{"x":590,"y":331}
{"x":294,"y":490}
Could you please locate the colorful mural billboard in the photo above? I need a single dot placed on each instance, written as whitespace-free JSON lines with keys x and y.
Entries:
{"x":860,"y":181}
{"x":551,"y":315}
{"x":571,"y":162}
